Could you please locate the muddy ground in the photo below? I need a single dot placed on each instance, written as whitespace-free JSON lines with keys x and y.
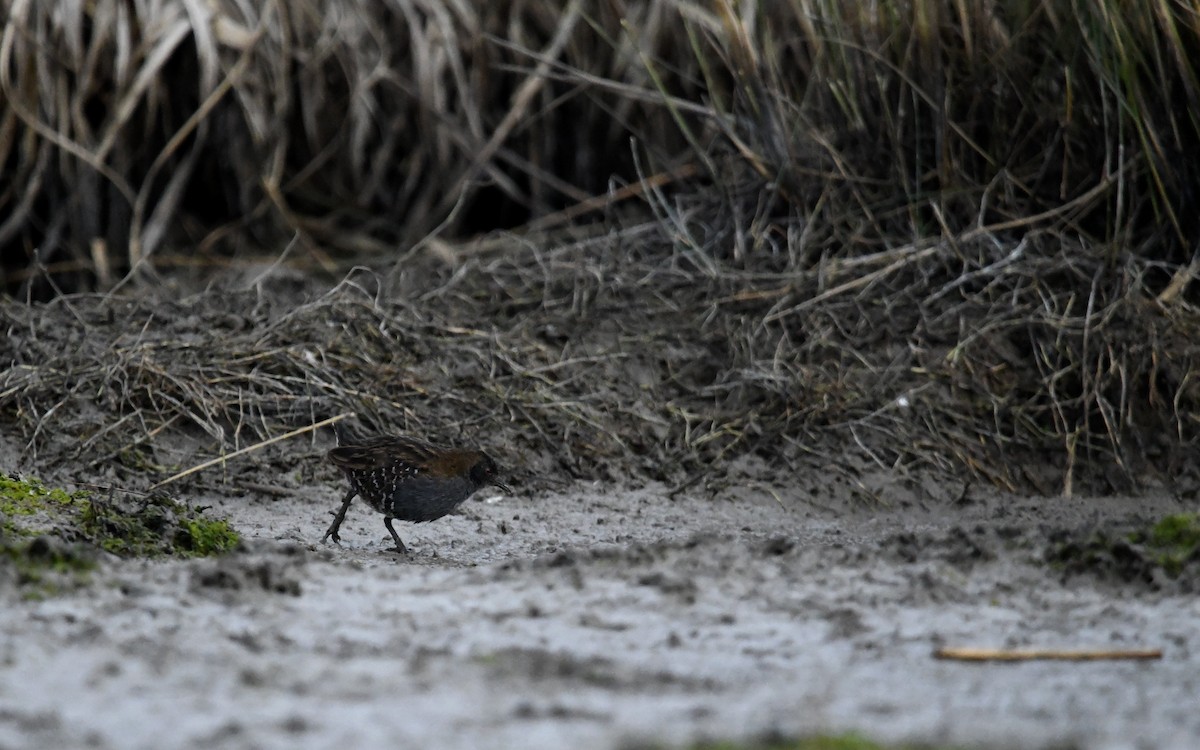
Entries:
{"x":604,"y":616}
{"x":573,"y":615}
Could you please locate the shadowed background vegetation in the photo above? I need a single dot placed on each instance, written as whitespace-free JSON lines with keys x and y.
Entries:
{"x":611,"y":237}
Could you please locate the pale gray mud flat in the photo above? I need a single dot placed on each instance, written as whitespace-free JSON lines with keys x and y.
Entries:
{"x":607,"y":617}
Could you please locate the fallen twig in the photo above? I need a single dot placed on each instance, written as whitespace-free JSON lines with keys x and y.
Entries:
{"x":249,"y":448}
{"x":1035,"y":654}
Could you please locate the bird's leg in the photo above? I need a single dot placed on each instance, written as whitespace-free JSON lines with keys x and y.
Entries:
{"x":387,"y":521}
{"x":332,"y":531}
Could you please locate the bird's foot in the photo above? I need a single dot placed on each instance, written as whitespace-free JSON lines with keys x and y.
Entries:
{"x":338,"y":517}
{"x":399,"y":549}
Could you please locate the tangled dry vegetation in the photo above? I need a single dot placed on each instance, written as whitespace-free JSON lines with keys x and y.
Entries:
{"x":950,"y":234}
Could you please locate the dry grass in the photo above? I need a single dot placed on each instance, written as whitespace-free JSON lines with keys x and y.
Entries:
{"x":630,"y":356}
{"x":360,"y":126}
{"x":958,"y":234}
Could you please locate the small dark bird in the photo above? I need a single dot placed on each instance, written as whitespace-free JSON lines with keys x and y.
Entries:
{"x":409,"y":479}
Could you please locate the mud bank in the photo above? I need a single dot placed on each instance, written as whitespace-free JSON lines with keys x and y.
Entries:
{"x":606,"y":617}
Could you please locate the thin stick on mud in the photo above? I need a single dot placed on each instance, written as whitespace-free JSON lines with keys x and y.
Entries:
{"x":250,"y":448}
{"x":1004,"y":654}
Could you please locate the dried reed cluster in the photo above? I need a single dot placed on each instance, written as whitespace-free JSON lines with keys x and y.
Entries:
{"x":951,"y":233}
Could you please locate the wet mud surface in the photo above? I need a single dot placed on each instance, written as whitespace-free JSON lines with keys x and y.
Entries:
{"x":602,"y":616}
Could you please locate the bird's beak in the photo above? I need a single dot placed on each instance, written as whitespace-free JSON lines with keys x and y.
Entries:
{"x":502,"y":486}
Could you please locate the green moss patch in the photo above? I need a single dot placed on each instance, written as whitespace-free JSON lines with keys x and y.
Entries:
{"x":29,"y":497}
{"x":44,"y":566}
{"x":1165,"y":553}
{"x":154,"y":526}
{"x":203,"y":537}
{"x":1172,"y":542}
{"x":50,"y":538}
